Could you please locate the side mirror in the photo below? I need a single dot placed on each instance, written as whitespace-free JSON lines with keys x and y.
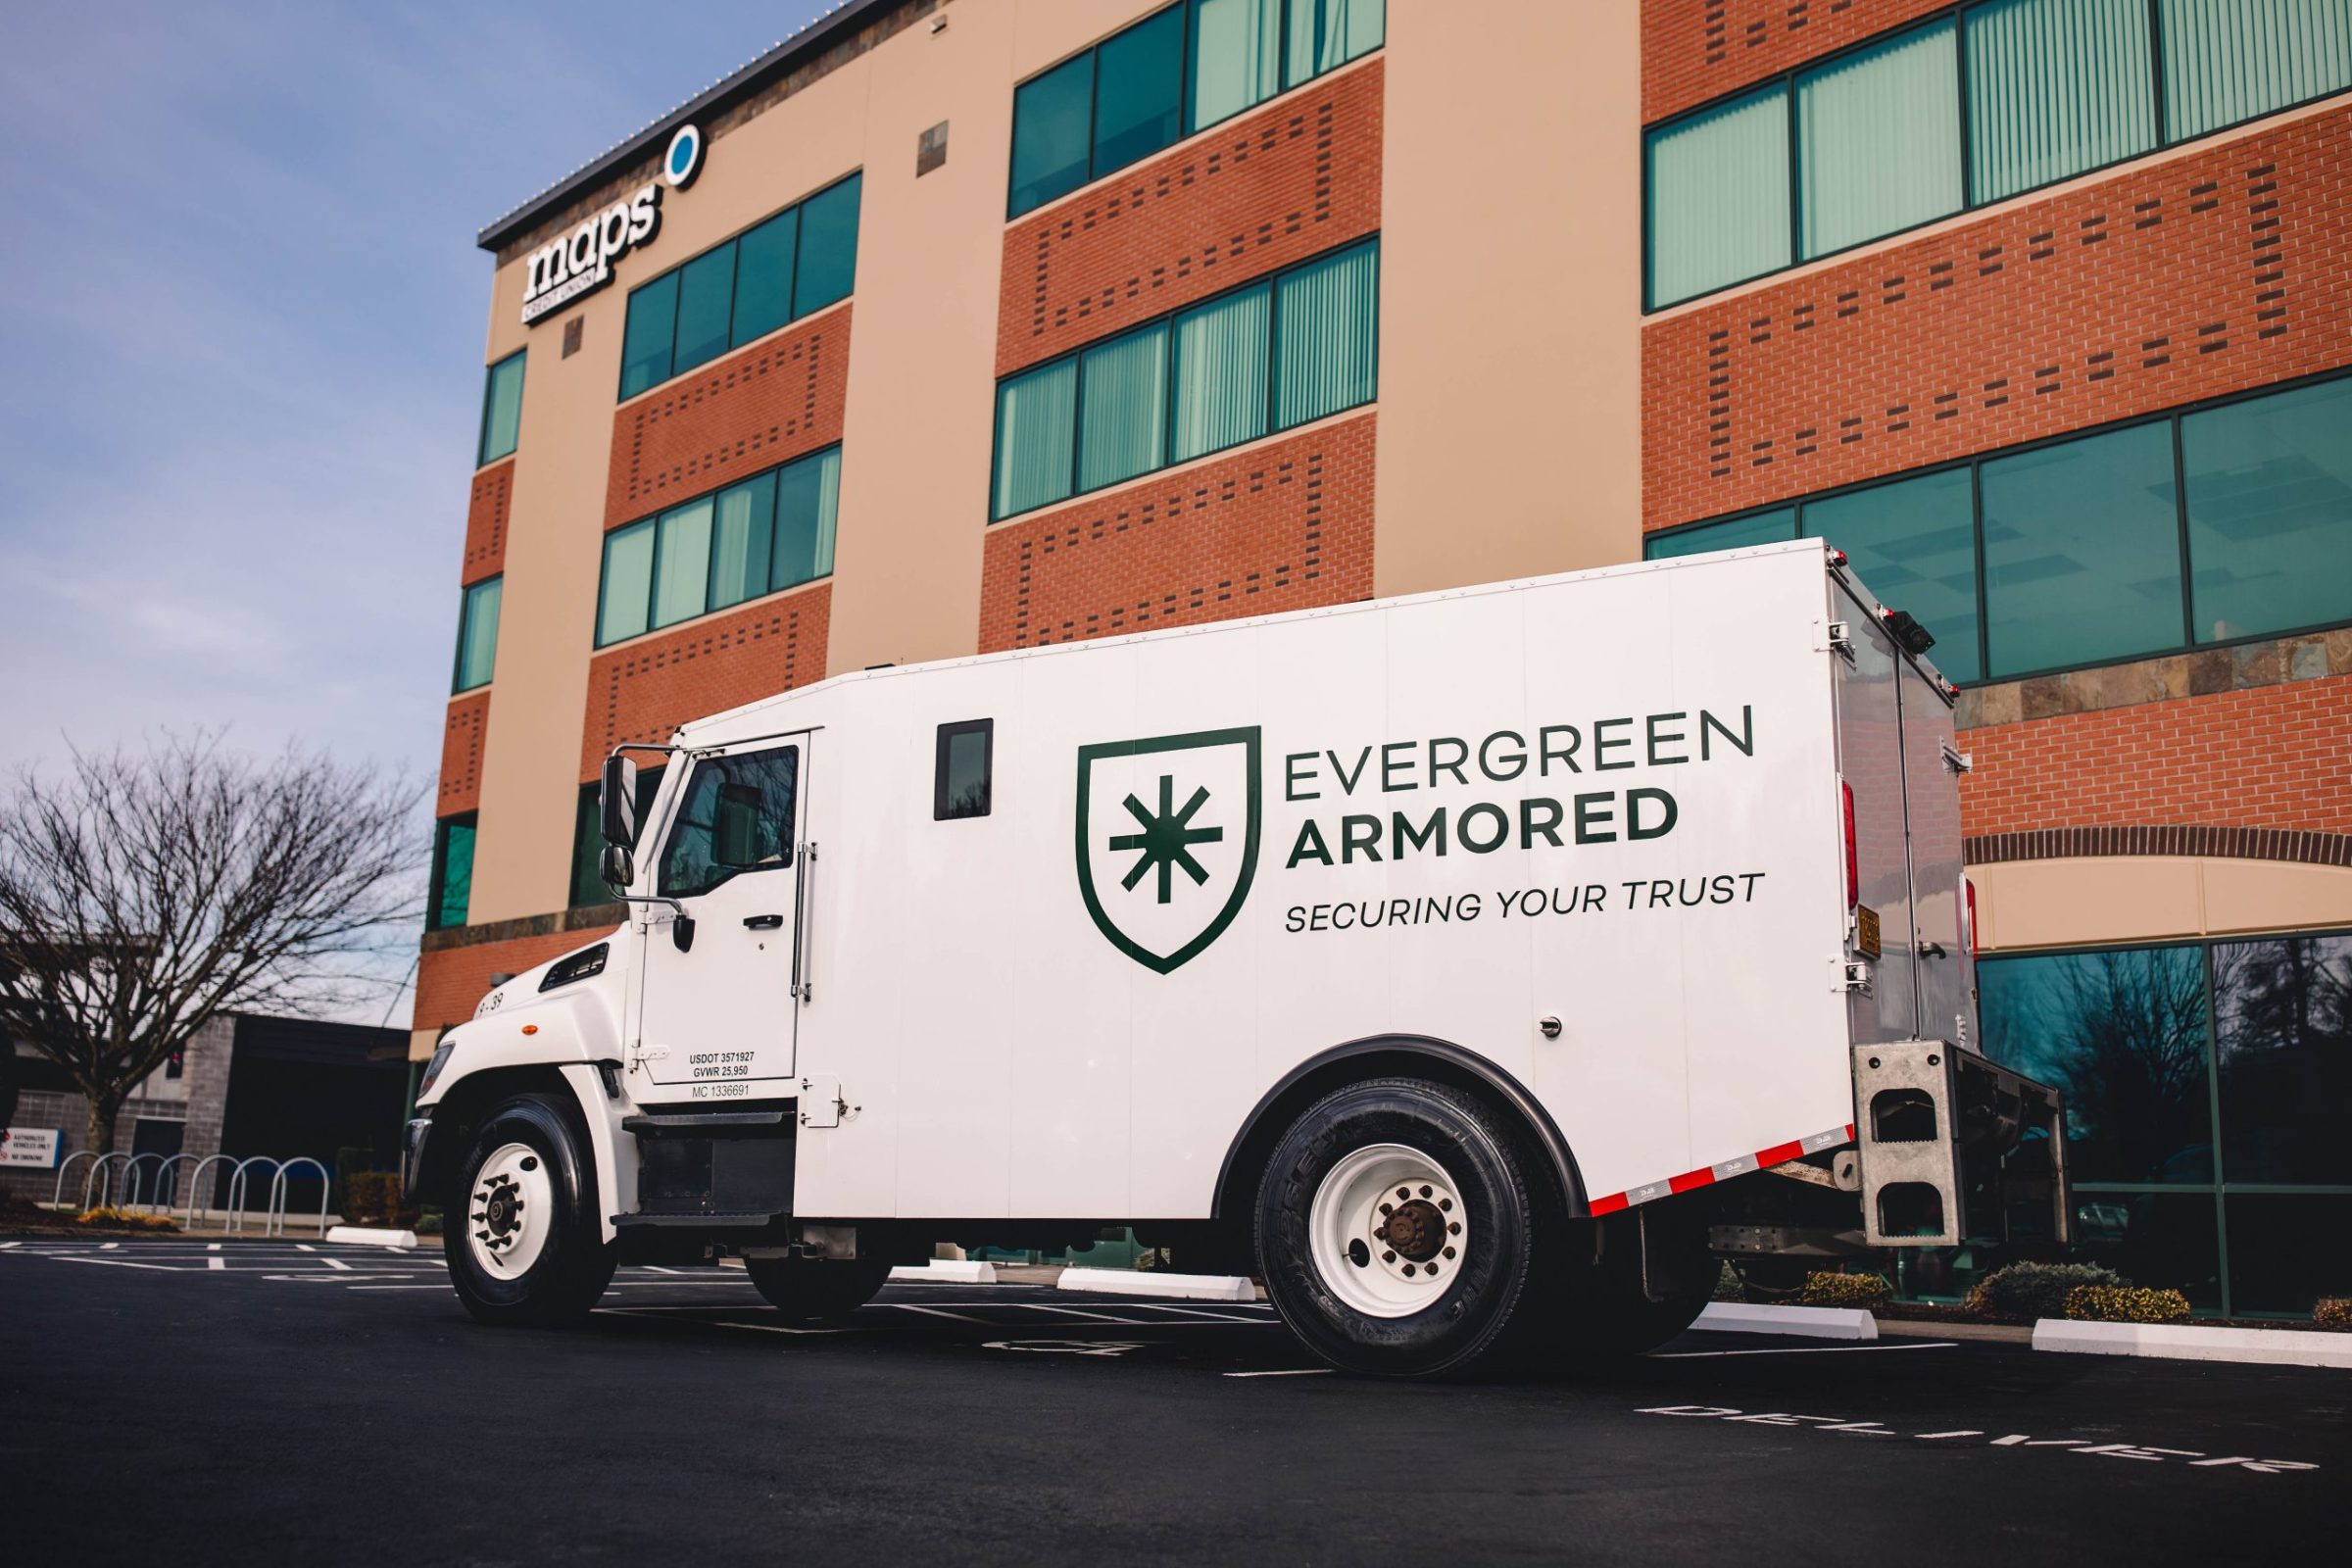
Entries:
{"x":620,"y":866}
{"x":617,"y":802}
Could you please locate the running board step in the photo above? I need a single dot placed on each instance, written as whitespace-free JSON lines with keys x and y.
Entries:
{"x":748,"y":1220}
{"x":690,"y":1121}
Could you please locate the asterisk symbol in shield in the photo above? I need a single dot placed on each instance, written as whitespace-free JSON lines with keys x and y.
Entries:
{"x":1166,"y":839}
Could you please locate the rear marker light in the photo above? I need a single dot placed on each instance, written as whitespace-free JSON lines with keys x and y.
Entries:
{"x":1968,"y":884}
{"x":1854,"y":866}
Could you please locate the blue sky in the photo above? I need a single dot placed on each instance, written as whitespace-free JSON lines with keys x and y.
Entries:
{"x":243,"y":318}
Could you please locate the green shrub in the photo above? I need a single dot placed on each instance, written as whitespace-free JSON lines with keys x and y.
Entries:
{"x":2036,"y":1290}
{"x":2125,"y":1303}
{"x":128,"y":1219}
{"x":1727,"y":1285}
{"x":2334,"y":1311}
{"x":1865,"y":1290}
{"x":428,"y":1223}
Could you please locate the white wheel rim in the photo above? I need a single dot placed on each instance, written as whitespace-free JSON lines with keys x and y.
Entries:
{"x":1388,"y":1230}
{"x":509,"y":1210}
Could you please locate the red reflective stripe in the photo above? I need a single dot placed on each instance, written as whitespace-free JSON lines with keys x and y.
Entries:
{"x":1608,"y":1205}
{"x":1689,"y":1179}
{"x":1779,"y":1154}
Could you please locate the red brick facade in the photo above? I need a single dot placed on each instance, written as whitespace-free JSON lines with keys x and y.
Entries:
{"x":2272,"y":756}
{"x":1695,"y":50}
{"x":486,"y":523}
{"x":1259,"y":192}
{"x":642,"y":690}
{"x":758,"y":406}
{"x":1283,"y":525}
{"x":2224,"y":268}
{"x":464,"y":733}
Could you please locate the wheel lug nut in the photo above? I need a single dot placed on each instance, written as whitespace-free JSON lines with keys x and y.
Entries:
{"x":1450,"y":1252}
{"x":1388,"y":1257}
{"x":1388,"y":1209}
{"x":1404,"y":1192}
{"x":1432,"y":1266}
{"x":1425,"y":1191}
{"x":1409,"y":1270}
{"x":1381,"y":1234}
{"x":1454,"y":1229}
{"x":1445,"y":1203}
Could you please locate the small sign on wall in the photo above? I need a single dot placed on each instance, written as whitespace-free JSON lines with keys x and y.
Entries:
{"x":33,"y":1148}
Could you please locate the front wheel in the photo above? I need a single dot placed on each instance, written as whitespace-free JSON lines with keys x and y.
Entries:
{"x":522,"y":1238}
{"x":1398,"y":1226}
{"x":818,"y":1290}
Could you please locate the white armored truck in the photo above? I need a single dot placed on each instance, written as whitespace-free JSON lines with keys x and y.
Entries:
{"x":1474,"y":969}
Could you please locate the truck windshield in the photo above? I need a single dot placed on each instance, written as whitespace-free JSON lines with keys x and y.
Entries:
{"x":736,"y":817}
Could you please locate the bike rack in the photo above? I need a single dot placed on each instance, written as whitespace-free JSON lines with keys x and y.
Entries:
{"x":58,"y":1196}
{"x":236,"y":1192}
{"x":196,"y":1183}
{"x":102,"y":1173}
{"x":275,"y":1225}
{"x":134,"y":1186}
{"x":163,"y":1174}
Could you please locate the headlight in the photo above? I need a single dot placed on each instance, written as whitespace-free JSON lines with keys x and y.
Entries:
{"x":432,"y":1068}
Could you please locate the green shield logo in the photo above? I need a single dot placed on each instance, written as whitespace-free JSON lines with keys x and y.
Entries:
{"x":1167,"y":840}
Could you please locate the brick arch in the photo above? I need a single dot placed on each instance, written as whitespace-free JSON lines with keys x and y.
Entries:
{"x":2207,"y":841}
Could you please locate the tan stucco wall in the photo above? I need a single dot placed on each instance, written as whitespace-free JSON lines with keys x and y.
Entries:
{"x":1510,"y":347}
{"x":2052,"y":904}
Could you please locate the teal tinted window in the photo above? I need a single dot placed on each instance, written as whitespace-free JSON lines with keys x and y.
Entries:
{"x":652,"y":328}
{"x":1139,"y":89}
{"x":452,"y":890}
{"x":1328,"y":34}
{"x":706,"y":308}
{"x":2055,"y":87}
{"x":501,"y":409}
{"x":2082,"y":552}
{"x":1036,"y":416}
{"x":743,"y":531}
{"x":588,"y":839}
{"x":1326,"y":326}
{"x":625,"y":599}
{"x":2123,"y":1034}
{"x":477,"y":634}
{"x":1221,"y":350}
{"x":763,"y":261}
{"x":1237,"y":57}
{"x":1914,"y":544}
{"x":1122,"y":407}
{"x":1878,"y":141}
{"x":1718,"y":196}
{"x":736,"y":817}
{"x":2229,"y":60}
{"x":828,"y":246}
{"x":1051,"y":132}
{"x":682,"y":563}
{"x":2284,"y":1028}
{"x":2270,"y":512}
{"x":1764,"y":529}
{"x":807,"y":500}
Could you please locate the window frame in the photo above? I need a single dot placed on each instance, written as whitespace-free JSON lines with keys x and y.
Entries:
{"x":436,"y":892}
{"x":467,"y":592}
{"x":1164,"y":324}
{"x":1954,"y":16}
{"x":2220,"y":1189}
{"x":655,"y":522}
{"x":734,"y":286}
{"x":1974,"y":464}
{"x":943,"y":749}
{"x":791,"y":745}
{"x":1186,"y":129}
{"x":482,"y":459}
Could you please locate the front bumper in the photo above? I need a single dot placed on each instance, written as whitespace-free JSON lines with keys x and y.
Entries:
{"x":412,"y":1159}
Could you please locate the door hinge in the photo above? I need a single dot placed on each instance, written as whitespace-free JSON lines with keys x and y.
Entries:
{"x":822,"y":1103}
{"x":1850,"y":975}
{"x":1836,"y":638}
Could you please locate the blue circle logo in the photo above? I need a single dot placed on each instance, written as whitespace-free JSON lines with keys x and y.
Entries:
{"x":684,"y":158}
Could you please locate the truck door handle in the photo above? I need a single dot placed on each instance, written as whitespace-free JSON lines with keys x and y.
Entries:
{"x":763,"y":922}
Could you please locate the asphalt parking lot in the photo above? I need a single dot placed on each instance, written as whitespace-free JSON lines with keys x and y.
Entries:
{"x":265,"y":1401}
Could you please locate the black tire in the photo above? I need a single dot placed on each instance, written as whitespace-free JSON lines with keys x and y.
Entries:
{"x":1610,"y":1313}
{"x":1505,"y":1200}
{"x":815,"y":1290}
{"x":575,"y":1263}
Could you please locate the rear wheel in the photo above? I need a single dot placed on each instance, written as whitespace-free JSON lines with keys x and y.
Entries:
{"x":1396,"y":1227}
{"x":1620,"y":1308}
{"x":814,"y":1291}
{"x":522,"y":1238}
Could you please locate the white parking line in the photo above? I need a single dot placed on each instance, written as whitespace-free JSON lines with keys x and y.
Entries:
{"x":1798,"y":1349}
{"x":1072,"y":1311}
{"x":4,"y":1246}
{"x":933,"y":1311}
{"x":216,"y":1264}
{"x":719,"y":1323}
{"x":1286,"y":1372}
{"x":1219,"y":1317}
{"x":336,"y":1265}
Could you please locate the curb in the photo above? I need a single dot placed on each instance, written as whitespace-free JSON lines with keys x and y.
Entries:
{"x":1804,"y":1322}
{"x":1131,"y":1282}
{"x":948,"y":1271}
{"x":368,"y":1236}
{"x":2174,"y":1342}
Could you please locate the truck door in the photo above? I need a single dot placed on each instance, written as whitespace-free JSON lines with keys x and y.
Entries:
{"x":718,"y":1014}
{"x":1930,"y":787}
{"x":1869,"y":763}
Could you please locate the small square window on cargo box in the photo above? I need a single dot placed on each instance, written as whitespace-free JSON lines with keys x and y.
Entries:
{"x":960,"y":784}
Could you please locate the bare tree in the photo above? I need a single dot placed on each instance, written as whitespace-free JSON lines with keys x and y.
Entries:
{"x":143,"y":895}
